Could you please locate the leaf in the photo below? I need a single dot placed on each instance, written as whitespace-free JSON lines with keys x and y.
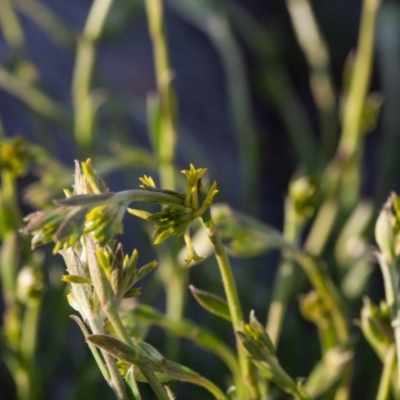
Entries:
{"x":142,"y":353}
{"x":76,"y":279}
{"x":102,"y":366}
{"x":132,"y":389}
{"x":244,"y":236}
{"x":118,"y":350}
{"x":145,"y":270}
{"x":191,"y":331}
{"x":327,"y":371}
{"x":212,"y":303}
{"x":82,"y":293}
{"x":134,"y":292}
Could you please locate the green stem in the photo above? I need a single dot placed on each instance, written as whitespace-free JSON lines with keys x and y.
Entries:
{"x":287,"y":276}
{"x":326,"y":289}
{"x":391,"y":283}
{"x":32,"y":97}
{"x":317,"y":55}
{"x":29,"y":334}
{"x":164,"y":136}
{"x":84,"y":105}
{"x":11,"y":28}
{"x":389,"y":363}
{"x":324,"y":286}
{"x":107,"y":301}
{"x":233,"y":304}
{"x":352,"y":118}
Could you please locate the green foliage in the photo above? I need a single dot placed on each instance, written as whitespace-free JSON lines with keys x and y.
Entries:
{"x":325,"y":260}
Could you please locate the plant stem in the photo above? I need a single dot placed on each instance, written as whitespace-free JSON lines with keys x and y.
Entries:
{"x":391,"y":281}
{"x":11,"y":28}
{"x":29,"y":335}
{"x":164,"y":138}
{"x":389,"y":363}
{"x":326,"y":289}
{"x":105,"y":295}
{"x":317,"y":55}
{"x":84,"y":105}
{"x":234,"y":306}
{"x":164,"y":135}
{"x":352,"y":117}
{"x":287,"y":275}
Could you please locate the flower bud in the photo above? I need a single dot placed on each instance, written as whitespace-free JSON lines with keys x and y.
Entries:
{"x":29,"y":284}
{"x":384,"y":231}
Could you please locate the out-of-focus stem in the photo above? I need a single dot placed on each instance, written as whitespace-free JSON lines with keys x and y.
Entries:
{"x":352,"y":116}
{"x":317,"y":55}
{"x":47,"y":21}
{"x":351,"y":137}
{"x":389,"y":363}
{"x":11,"y":27}
{"x":391,"y":280}
{"x":29,"y":334}
{"x":164,"y":142}
{"x":235,"y":309}
{"x":84,"y":105}
{"x":287,"y":275}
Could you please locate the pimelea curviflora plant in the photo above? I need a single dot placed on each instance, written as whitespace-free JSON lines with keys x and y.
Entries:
{"x":83,"y":227}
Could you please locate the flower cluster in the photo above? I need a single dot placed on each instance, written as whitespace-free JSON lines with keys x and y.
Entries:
{"x":91,"y":209}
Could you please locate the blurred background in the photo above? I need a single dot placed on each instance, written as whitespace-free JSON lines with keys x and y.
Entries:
{"x":258,"y":89}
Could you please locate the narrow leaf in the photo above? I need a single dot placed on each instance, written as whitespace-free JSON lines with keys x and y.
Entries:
{"x":76,"y":279}
{"x":145,"y":270}
{"x":117,"y":349}
{"x":211,"y":302}
{"x":132,"y":389}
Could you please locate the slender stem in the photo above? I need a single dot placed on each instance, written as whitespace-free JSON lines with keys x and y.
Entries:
{"x":164,"y":139}
{"x":105,"y":295}
{"x":84,"y":106}
{"x":164,"y":136}
{"x":110,"y":372}
{"x":11,"y":28}
{"x":391,"y":282}
{"x":389,"y":363}
{"x":287,"y":276}
{"x":29,"y":335}
{"x":352,"y":118}
{"x":328,"y":292}
{"x":34,"y":98}
{"x":115,"y":320}
{"x":317,"y":55}
{"x":233,"y":304}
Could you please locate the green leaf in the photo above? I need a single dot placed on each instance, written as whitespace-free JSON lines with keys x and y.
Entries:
{"x":142,"y":354}
{"x":327,"y":371}
{"x":102,"y":366}
{"x":211,"y":302}
{"x":244,"y":236}
{"x":191,"y":331}
{"x":76,"y":279}
{"x":82,"y":293}
{"x":145,"y":270}
{"x":118,"y":350}
{"x":134,"y":292}
{"x":132,"y":389}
